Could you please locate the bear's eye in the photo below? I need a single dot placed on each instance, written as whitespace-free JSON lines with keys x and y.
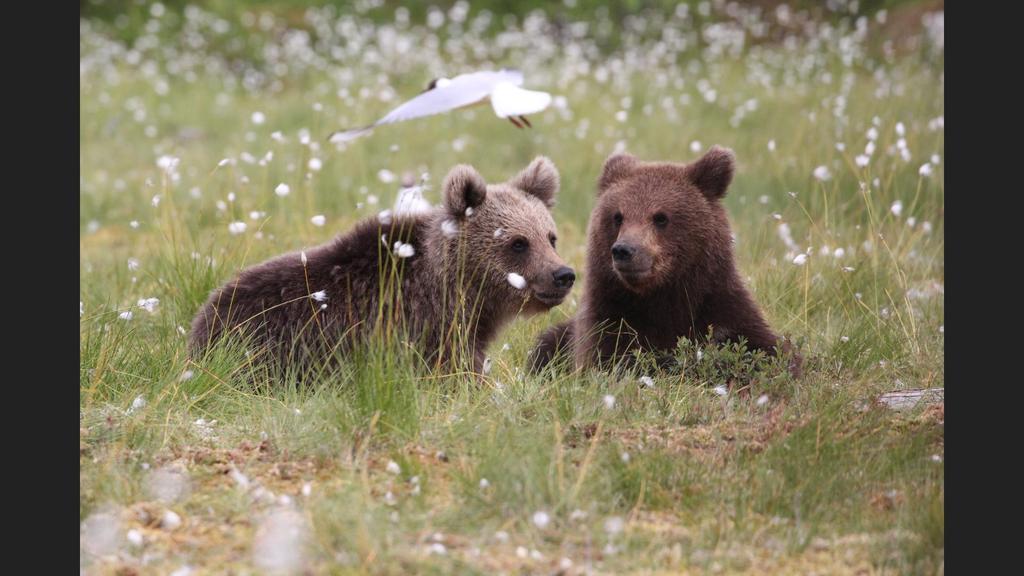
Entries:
{"x":618,"y":218}
{"x":552,"y":239}
{"x":520,"y":245}
{"x":660,"y":220}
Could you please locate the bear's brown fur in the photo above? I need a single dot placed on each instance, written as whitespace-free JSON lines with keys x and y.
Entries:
{"x":659,"y":265}
{"x":450,"y":297}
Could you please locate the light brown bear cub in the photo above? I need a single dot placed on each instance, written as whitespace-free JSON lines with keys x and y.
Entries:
{"x":660,"y":265}
{"x":442,"y":278}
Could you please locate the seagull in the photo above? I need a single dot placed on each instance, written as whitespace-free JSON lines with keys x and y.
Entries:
{"x":501,"y":88}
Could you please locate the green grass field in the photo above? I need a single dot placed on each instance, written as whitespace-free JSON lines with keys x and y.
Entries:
{"x":384,"y":468}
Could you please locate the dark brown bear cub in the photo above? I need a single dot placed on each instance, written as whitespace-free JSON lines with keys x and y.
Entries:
{"x":447,"y":280}
{"x":659,"y":265}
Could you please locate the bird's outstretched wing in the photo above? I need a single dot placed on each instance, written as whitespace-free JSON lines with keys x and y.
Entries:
{"x":463,"y":90}
{"x":510,"y":100}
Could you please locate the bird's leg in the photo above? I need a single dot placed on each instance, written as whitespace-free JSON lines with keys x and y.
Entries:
{"x":517,"y":124}
{"x":525,"y":121}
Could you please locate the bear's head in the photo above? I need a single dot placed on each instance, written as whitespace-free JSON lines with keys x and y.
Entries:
{"x":656,"y":222}
{"x":506,"y":236}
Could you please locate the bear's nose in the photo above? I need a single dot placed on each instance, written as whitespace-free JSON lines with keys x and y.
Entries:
{"x":622,"y":252}
{"x":564,"y":277}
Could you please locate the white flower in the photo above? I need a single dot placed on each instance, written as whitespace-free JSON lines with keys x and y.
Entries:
{"x":900,"y":129}
{"x":840,"y":146}
{"x":307,"y":489}
{"x":621,"y":115}
{"x":839,"y":253}
{"x":276,"y":136}
{"x":469,"y":212}
{"x":695,"y":146}
{"x":450,"y":228}
{"x":484,"y":483}
{"x":935,"y":159}
{"x":925,"y":169}
{"x":393,"y":467}
{"x":721,"y":390}
{"x":800,"y":259}
{"x":869,"y":149}
{"x":862,"y":160}
{"x":282,"y":190}
{"x":771,"y":145}
{"x":134,"y":537}
{"x":236,"y":228}
{"x":624,"y":457}
{"x":517,"y":281}
{"x":762,"y":399}
{"x":822,"y":173}
{"x":372,"y":199}
{"x":138,"y":404}
{"x":302,"y":257}
{"x":403,"y":250}
{"x":126,"y":315}
{"x":844,"y":339}
{"x":258,"y":118}
{"x":133,"y":264}
{"x":848,"y":268}
{"x":134,"y":224}
{"x":614,"y":525}
{"x":186,"y":375}
{"x":646,"y":382}
{"x":541,"y":519}
{"x":896,"y":208}
{"x":224,"y":162}
{"x":81,"y":308}
{"x":386,"y":176}
{"x":565,"y":564}
{"x":170,"y":520}
{"x":384,"y":217}
{"x":318,"y":220}
{"x":319,"y":295}
{"x":156,"y":201}
{"x":872,"y":133}
{"x":148,"y":304}
{"x":609,"y":401}
{"x":315,"y":164}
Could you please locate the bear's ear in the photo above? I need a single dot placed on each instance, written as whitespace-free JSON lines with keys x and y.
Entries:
{"x":616,"y":167}
{"x":464,"y":188}
{"x":539,"y":179}
{"x":712,"y":174}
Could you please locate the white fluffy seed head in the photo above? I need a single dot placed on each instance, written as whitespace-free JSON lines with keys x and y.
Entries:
{"x":282,"y":190}
{"x":318,"y":220}
{"x":541,"y":519}
{"x":517,"y":281}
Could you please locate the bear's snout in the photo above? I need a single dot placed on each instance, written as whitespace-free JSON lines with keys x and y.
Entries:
{"x":622,"y":252}
{"x":564,"y":277}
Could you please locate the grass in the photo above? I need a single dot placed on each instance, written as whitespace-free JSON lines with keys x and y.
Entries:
{"x":671,"y":478}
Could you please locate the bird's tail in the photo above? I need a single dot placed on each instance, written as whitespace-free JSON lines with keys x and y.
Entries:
{"x":349,"y":135}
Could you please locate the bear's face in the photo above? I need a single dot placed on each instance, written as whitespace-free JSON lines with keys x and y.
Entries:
{"x":657,"y":220}
{"x":507,"y":231}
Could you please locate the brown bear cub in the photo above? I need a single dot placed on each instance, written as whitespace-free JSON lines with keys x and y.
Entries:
{"x":448,"y":279}
{"x":659,"y":265}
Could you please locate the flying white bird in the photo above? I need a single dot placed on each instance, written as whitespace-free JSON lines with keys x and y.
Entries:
{"x":501,"y":88}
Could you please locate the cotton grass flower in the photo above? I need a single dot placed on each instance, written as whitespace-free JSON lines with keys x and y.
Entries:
{"x":896,"y":208}
{"x":517,"y":281}
{"x":541,"y":519}
{"x":282,"y":190}
{"x":925,"y":170}
{"x":862,"y":160}
{"x":646,"y":382}
{"x":170,"y":520}
{"x":126,"y":315}
{"x":318,"y":220}
{"x":315,"y":164}
{"x":800,"y":259}
{"x":386,"y":176}
{"x":721,"y":390}
{"x":258,"y":118}
{"x":393,"y":468}
{"x":822,"y":173}
{"x":236,"y":228}
{"x":403,"y":250}
{"x":450,"y":228}
{"x":609,"y":401}
{"x":319,"y":295}
{"x":148,"y":304}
